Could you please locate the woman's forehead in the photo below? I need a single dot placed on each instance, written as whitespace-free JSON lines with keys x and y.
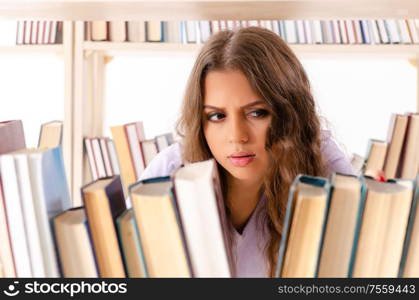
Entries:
{"x":228,"y":87}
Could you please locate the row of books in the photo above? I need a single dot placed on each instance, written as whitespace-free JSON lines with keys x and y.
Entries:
{"x":398,"y":156}
{"x":43,"y":236}
{"x":382,"y":31}
{"x":359,"y":226}
{"x":346,"y":226}
{"x":39,"y":32}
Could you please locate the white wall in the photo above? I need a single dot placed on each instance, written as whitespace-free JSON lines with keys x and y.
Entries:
{"x":32,"y":90}
{"x":355,"y":95}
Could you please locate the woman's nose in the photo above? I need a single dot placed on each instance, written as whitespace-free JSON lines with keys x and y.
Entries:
{"x":238,"y":131}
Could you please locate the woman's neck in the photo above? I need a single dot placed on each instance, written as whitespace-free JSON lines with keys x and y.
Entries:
{"x":242,"y":199}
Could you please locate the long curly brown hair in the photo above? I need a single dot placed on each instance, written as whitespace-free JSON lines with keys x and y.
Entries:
{"x":293,"y":141}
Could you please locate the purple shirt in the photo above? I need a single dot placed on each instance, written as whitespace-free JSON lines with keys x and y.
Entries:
{"x":249,"y":246}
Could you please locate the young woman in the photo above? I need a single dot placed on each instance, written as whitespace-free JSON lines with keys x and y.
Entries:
{"x":249,"y":106}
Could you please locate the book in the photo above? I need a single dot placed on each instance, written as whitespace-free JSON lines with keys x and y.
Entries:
{"x":99,"y":31}
{"x":202,"y":211}
{"x":149,"y":150}
{"x":303,"y":228}
{"x":51,"y":134}
{"x":383,"y":228}
{"x":49,"y":199}
{"x":127,"y":169}
{"x":74,"y":244}
{"x":135,"y":135}
{"x":14,"y":214}
{"x":376,"y":155}
{"x":104,"y":202}
{"x":343,"y":221}
{"x":136,"y":31}
{"x":409,"y":266}
{"x":395,"y":139}
{"x":409,"y":163}
{"x":153,"y":31}
{"x":117,"y":31}
{"x":131,"y":245}
{"x":12,"y":132}
{"x":160,"y":229}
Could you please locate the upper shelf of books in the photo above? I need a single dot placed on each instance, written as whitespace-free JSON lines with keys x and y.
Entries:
{"x":207,"y":9}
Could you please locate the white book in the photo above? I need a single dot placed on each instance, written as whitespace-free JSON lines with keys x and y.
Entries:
{"x":223,"y":25}
{"x":28,"y":210}
{"x":97,"y":153}
{"x":275,"y":27}
{"x":230,"y":24}
{"x":351,"y":31}
{"x":91,"y":158}
{"x":149,"y":148}
{"x":200,"y":203}
{"x":366,"y":30}
{"x":154,"y":31}
{"x":244,"y":23}
{"x":282,"y":32}
{"x":375,"y":34}
{"x":253,"y":23}
{"x":404,"y":32}
{"x":27,"y":32}
{"x":318,"y":36}
{"x":136,"y":31}
{"x":237,"y":24}
{"x":20,"y":32}
{"x":291,"y":32}
{"x":6,"y":255}
{"x":99,"y":31}
{"x":301,"y":36}
{"x":215,"y":26}
{"x":135,"y":148}
{"x":161,"y":142}
{"x":308,"y":30}
{"x":106,"y":157}
{"x":343,"y":32}
{"x":48,"y":30}
{"x":114,"y":157}
{"x":266,"y":24}
{"x":41,"y":32}
{"x":205,"y":30}
{"x":191,"y":34}
{"x":327,"y":32}
{"x":384,"y":37}
{"x":34,"y":32}
{"x":392,"y":30}
{"x":358,"y":33}
{"x":414,"y":31}
{"x":173,"y":32}
{"x":336,"y":32}
{"x":49,"y":199}
{"x":53,"y":33}
{"x":14,"y":212}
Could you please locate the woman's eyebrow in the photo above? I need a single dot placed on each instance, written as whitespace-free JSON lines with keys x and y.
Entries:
{"x":244,"y":106}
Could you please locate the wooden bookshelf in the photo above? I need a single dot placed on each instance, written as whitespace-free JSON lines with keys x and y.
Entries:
{"x":207,"y":9}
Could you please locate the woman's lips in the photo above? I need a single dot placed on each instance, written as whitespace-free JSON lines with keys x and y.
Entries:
{"x":241,"y":161}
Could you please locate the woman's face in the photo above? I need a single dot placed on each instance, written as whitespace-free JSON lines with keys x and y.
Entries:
{"x":236,"y":122}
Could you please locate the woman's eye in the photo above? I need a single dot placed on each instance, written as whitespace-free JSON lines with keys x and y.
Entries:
{"x":258,"y":113}
{"x":215,"y":116}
